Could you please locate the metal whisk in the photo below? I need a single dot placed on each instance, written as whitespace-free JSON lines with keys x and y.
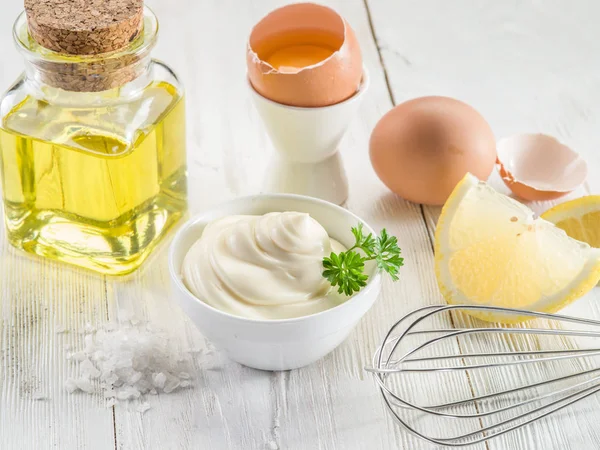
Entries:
{"x":555,"y":356}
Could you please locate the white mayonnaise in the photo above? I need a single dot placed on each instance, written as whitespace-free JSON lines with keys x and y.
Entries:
{"x":263,"y":267}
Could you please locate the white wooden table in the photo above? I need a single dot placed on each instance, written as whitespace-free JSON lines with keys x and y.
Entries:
{"x":527,"y":65}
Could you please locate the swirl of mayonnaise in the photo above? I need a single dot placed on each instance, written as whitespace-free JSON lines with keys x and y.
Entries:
{"x":264,"y":267}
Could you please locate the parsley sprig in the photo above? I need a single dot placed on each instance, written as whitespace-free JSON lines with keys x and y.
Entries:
{"x":346,"y":269}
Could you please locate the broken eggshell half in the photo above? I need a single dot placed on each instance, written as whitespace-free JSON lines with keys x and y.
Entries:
{"x":326,"y":82}
{"x":538,"y":167}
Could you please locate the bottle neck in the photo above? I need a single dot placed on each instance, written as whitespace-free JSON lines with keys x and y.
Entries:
{"x":69,"y":78}
{"x":84,"y":84}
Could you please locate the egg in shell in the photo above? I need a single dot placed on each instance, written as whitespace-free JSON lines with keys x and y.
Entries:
{"x":539,"y":167}
{"x":304,"y":55}
{"x":422,"y":148}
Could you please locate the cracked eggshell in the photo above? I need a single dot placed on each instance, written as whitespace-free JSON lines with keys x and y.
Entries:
{"x":538,"y":167}
{"x":325,"y":83}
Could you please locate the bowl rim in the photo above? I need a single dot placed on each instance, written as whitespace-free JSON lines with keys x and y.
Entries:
{"x":373,"y":282}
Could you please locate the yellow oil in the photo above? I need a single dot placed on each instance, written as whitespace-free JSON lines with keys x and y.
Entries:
{"x":94,"y":186}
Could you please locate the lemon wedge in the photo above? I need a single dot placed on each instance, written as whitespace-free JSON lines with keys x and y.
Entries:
{"x":580,"y":218}
{"x":491,"y":250}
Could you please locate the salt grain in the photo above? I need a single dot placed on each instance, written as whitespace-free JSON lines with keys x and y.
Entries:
{"x":70,"y":385}
{"x":111,"y":378}
{"x":88,"y":369}
{"x":171,"y":385}
{"x":159,"y":380}
{"x":84,"y":385}
{"x":135,"y":377}
{"x":126,"y":362}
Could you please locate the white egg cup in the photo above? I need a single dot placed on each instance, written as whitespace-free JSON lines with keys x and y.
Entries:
{"x":306,"y":140}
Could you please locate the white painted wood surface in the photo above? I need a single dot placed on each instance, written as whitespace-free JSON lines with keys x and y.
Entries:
{"x":526,"y":65}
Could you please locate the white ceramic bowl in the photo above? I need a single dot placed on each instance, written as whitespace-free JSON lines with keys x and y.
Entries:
{"x":273,"y":344}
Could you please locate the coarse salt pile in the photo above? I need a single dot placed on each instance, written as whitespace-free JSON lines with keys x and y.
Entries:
{"x":127,"y":362}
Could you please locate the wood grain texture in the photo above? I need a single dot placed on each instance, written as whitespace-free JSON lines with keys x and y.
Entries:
{"x":44,"y":308}
{"x":40,"y":300}
{"x":505,"y":58}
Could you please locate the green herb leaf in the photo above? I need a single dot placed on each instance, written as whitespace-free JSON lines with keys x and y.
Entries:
{"x":388,"y":254}
{"x":346,"y":269}
{"x":366,"y":244}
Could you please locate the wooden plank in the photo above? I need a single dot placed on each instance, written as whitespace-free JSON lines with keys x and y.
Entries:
{"x":331,"y":404}
{"x":505,"y":59}
{"x":38,"y":301}
{"x":490,"y":54}
{"x":45,"y":308}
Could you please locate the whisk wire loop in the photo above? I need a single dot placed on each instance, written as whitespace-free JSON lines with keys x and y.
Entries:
{"x":490,"y":414}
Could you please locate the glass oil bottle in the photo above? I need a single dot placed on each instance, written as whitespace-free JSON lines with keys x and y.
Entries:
{"x":92,"y":140}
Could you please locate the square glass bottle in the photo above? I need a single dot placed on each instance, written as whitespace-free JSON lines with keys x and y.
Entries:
{"x":92,"y":137}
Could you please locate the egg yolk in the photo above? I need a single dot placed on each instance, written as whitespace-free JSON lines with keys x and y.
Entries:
{"x":295,"y":57}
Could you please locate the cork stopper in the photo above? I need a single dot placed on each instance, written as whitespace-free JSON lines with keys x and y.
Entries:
{"x":84,"y":27}
{"x":86,"y":45}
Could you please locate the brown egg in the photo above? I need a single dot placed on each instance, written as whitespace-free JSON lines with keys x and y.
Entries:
{"x":422,"y":148}
{"x":304,"y":55}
